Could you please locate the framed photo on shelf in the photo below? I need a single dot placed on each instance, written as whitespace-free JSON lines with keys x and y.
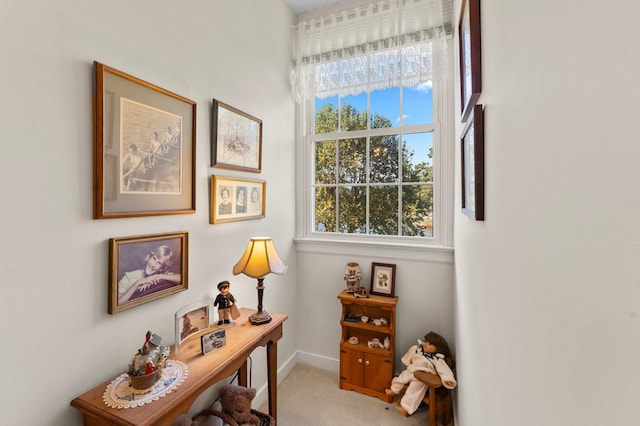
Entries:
{"x":146,"y":268}
{"x":214,"y":340}
{"x":472,"y":156}
{"x":235,"y":199}
{"x":236,"y":140}
{"x":144,"y":148}
{"x":383,"y":279}
{"x":470,"y":56}
{"x":191,"y":319}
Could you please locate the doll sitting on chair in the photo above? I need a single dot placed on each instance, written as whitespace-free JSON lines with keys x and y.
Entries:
{"x":431,"y":355}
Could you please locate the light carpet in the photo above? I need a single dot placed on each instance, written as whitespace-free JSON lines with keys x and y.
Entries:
{"x":310,"y":396}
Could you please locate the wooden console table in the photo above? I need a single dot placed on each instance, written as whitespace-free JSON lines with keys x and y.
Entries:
{"x":204,"y":371}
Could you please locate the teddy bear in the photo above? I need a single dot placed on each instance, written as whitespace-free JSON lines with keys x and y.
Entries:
{"x":233,"y":408}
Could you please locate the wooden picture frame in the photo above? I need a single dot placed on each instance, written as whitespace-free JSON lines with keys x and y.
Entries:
{"x":383,"y":279}
{"x":144,"y":148}
{"x":192,"y":319}
{"x":472,"y":156}
{"x":236,"y":139}
{"x":234,"y":199}
{"x":146,"y":268}
{"x":470,"y":56}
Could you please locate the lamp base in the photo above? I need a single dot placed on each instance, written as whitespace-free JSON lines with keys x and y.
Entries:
{"x":261,"y":317}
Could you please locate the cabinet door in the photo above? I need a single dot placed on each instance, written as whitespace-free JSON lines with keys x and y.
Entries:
{"x":377,"y":372}
{"x":351,"y":367}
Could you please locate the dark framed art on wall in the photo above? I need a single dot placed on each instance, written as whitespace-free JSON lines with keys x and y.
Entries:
{"x":472,"y":157}
{"x":236,"y":139}
{"x":470,"y":56}
{"x":144,"y":148}
{"x":383,"y":279}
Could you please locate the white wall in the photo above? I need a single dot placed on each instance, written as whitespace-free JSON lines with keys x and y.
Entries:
{"x":547,"y":296}
{"x":58,"y":339}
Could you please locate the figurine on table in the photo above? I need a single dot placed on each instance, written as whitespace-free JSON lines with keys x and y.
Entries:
{"x":431,"y":355}
{"x":224,"y":301}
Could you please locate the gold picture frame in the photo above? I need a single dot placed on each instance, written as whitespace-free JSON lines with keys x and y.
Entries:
{"x":234,"y":199}
{"x":144,"y":148}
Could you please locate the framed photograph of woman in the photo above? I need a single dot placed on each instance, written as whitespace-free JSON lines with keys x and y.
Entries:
{"x":146,"y":268}
{"x":144,"y":148}
{"x":235,"y":199}
{"x":383,"y":279}
{"x":236,"y":140}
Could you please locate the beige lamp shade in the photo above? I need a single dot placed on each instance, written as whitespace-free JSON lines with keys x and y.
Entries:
{"x":260,"y":259}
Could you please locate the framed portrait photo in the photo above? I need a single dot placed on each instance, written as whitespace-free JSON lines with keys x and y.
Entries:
{"x":383,"y":279}
{"x":236,"y":140}
{"x":192,"y":319}
{"x":470,"y":56}
{"x":144,"y":148}
{"x":235,"y":199}
{"x":472,"y":157}
{"x":146,"y":268}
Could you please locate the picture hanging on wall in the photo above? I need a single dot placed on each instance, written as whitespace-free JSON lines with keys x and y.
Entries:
{"x":236,"y":140}
{"x":470,"y":59}
{"x":146,"y":268}
{"x":235,"y":199}
{"x":472,"y":156}
{"x":144,"y":148}
{"x":383,"y":279}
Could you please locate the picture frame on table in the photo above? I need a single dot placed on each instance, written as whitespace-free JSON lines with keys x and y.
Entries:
{"x":472,"y":158}
{"x":192,"y":319}
{"x":144,"y":148}
{"x":383,"y":279}
{"x":146,"y":268}
{"x":213,"y":340}
{"x":236,"y":139}
{"x":234,"y":199}
{"x":470,"y":56}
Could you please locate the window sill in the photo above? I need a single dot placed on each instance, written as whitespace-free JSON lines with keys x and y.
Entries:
{"x":383,"y":249}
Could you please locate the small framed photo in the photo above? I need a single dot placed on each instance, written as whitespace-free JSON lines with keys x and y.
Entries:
{"x":472,"y":157}
{"x":144,"y":148}
{"x":470,"y":56}
{"x":212,"y":341}
{"x":236,"y":140}
{"x":383,"y":279}
{"x":235,"y":199}
{"x":146,"y":268}
{"x":191,"y":319}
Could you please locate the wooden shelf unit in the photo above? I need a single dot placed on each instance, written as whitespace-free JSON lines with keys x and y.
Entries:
{"x":364,"y":369}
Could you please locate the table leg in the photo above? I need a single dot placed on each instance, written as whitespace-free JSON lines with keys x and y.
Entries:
{"x":272,"y":378}
{"x":242,"y":374}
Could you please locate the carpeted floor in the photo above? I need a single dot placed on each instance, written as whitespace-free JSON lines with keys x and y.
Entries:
{"x":310,"y":396}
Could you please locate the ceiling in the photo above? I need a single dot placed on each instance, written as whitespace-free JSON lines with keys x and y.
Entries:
{"x":303,"y":6}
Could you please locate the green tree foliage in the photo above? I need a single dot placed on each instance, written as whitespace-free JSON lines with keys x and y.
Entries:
{"x":341,"y":164}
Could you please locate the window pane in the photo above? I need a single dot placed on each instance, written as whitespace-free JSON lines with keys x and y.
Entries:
{"x":383,"y":210}
{"x":383,"y":157}
{"x":417,"y":157}
{"x":351,"y":160}
{"x":326,"y":115}
{"x":385,"y":108}
{"x":417,"y":104}
{"x":353,"y":113}
{"x":326,"y":162}
{"x":352,"y":208}
{"x":325,"y":217}
{"x":417,"y":210}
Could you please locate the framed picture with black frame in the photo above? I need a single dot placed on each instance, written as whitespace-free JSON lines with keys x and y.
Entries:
{"x":470,"y":56}
{"x":472,"y":158}
{"x":383,"y":279}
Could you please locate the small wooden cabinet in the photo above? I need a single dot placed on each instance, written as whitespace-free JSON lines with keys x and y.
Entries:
{"x":364,"y":368}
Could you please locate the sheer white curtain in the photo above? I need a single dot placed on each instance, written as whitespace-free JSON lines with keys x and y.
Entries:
{"x":375,"y":46}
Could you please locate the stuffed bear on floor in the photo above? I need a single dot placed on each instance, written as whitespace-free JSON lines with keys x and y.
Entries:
{"x":234,"y":409}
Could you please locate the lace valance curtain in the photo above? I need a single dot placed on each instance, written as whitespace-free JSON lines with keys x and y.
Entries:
{"x":375,"y":46}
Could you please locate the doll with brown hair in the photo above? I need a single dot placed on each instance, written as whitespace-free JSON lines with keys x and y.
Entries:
{"x":431,"y":355}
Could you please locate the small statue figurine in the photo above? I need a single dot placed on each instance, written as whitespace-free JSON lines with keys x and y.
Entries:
{"x":146,"y":365}
{"x":224,"y":301}
{"x":352,"y":277}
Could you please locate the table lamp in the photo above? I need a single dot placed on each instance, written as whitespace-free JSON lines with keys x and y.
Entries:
{"x":260,"y":259}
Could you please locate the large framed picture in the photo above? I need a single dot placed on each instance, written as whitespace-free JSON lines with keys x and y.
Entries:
{"x":146,"y":268}
{"x":192,"y":319}
{"x":383,"y":279}
{"x":472,"y":156}
{"x":470,"y":56}
{"x":236,"y":139}
{"x":144,"y":148}
{"x":236,"y":199}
